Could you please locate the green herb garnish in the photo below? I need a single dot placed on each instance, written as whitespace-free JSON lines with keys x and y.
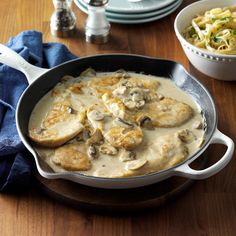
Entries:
{"x":217,"y":40}
{"x":226,"y":18}
{"x":192,"y":32}
{"x":234,"y":32}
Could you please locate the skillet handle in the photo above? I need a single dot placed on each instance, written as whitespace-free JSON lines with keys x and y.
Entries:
{"x":186,"y":171}
{"x":14,"y":60}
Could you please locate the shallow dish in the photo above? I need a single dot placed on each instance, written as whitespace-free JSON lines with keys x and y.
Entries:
{"x":42,"y":80}
{"x":215,"y":65}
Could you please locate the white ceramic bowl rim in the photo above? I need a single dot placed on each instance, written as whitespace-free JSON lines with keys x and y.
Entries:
{"x":202,"y":52}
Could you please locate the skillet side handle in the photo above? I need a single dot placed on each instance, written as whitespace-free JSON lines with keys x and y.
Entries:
{"x":185,"y":170}
{"x":14,"y":60}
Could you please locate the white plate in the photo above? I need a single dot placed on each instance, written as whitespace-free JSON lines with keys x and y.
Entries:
{"x":124,"y":6}
{"x":135,"y":15}
{"x":137,"y":20}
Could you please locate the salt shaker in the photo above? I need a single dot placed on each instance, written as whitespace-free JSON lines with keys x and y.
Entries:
{"x":63,"y":19}
{"x":97,"y":27}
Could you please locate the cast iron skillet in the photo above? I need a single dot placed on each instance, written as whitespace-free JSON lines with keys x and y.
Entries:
{"x":42,"y":80}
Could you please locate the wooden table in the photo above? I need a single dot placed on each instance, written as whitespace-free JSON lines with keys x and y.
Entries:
{"x":207,"y":208}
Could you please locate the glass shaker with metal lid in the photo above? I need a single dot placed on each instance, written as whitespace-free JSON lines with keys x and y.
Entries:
{"x":97,"y":27}
{"x":63,"y":19}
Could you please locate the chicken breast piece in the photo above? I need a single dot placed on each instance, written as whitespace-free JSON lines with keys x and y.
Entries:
{"x":163,"y":153}
{"x":165,"y":113}
{"x":171,"y":150}
{"x":70,"y":157}
{"x":127,"y":138}
{"x":134,"y":82}
{"x":104,"y":84}
{"x":61,"y":124}
{"x":114,"y":105}
{"x":170,"y":113}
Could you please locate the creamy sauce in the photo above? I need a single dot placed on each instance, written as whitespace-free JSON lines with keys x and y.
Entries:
{"x":146,"y":153}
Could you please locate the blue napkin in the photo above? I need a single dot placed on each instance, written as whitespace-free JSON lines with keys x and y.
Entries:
{"x":15,"y":162}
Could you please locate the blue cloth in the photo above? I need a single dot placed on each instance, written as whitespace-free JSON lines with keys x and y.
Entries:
{"x":15,"y":162}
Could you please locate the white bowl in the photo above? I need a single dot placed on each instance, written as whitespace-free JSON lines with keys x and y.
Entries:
{"x":215,"y":65}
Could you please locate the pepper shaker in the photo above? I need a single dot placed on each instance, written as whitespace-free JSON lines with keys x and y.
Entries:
{"x":63,"y":19}
{"x":97,"y":27}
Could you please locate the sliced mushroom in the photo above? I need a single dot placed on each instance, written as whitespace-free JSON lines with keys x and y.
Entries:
{"x":72,"y":111}
{"x":140,"y":104}
{"x":137,"y":97}
{"x":198,"y":124}
{"x":93,"y":152}
{"x":89,"y":72}
{"x":95,"y":115}
{"x":124,"y":83}
{"x":119,"y":90}
{"x":136,"y":164}
{"x":96,"y":138}
{"x":122,"y":123}
{"x":66,"y":78}
{"x":127,"y":156}
{"x":160,"y":97}
{"x":186,"y":136}
{"x":137,"y":94}
{"x":148,"y":96}
{"x":86,"y":134}
{"x":108,"y":149}
{"x":122,"y":74}
{"x":79,"y":137}
{"x":145,"y":122}
{"x":129,"y":103}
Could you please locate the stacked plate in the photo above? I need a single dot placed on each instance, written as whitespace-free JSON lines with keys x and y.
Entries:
{"x":125,"y":12}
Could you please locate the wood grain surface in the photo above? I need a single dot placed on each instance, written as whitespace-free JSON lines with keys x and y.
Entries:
{"x":207,"y":208}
